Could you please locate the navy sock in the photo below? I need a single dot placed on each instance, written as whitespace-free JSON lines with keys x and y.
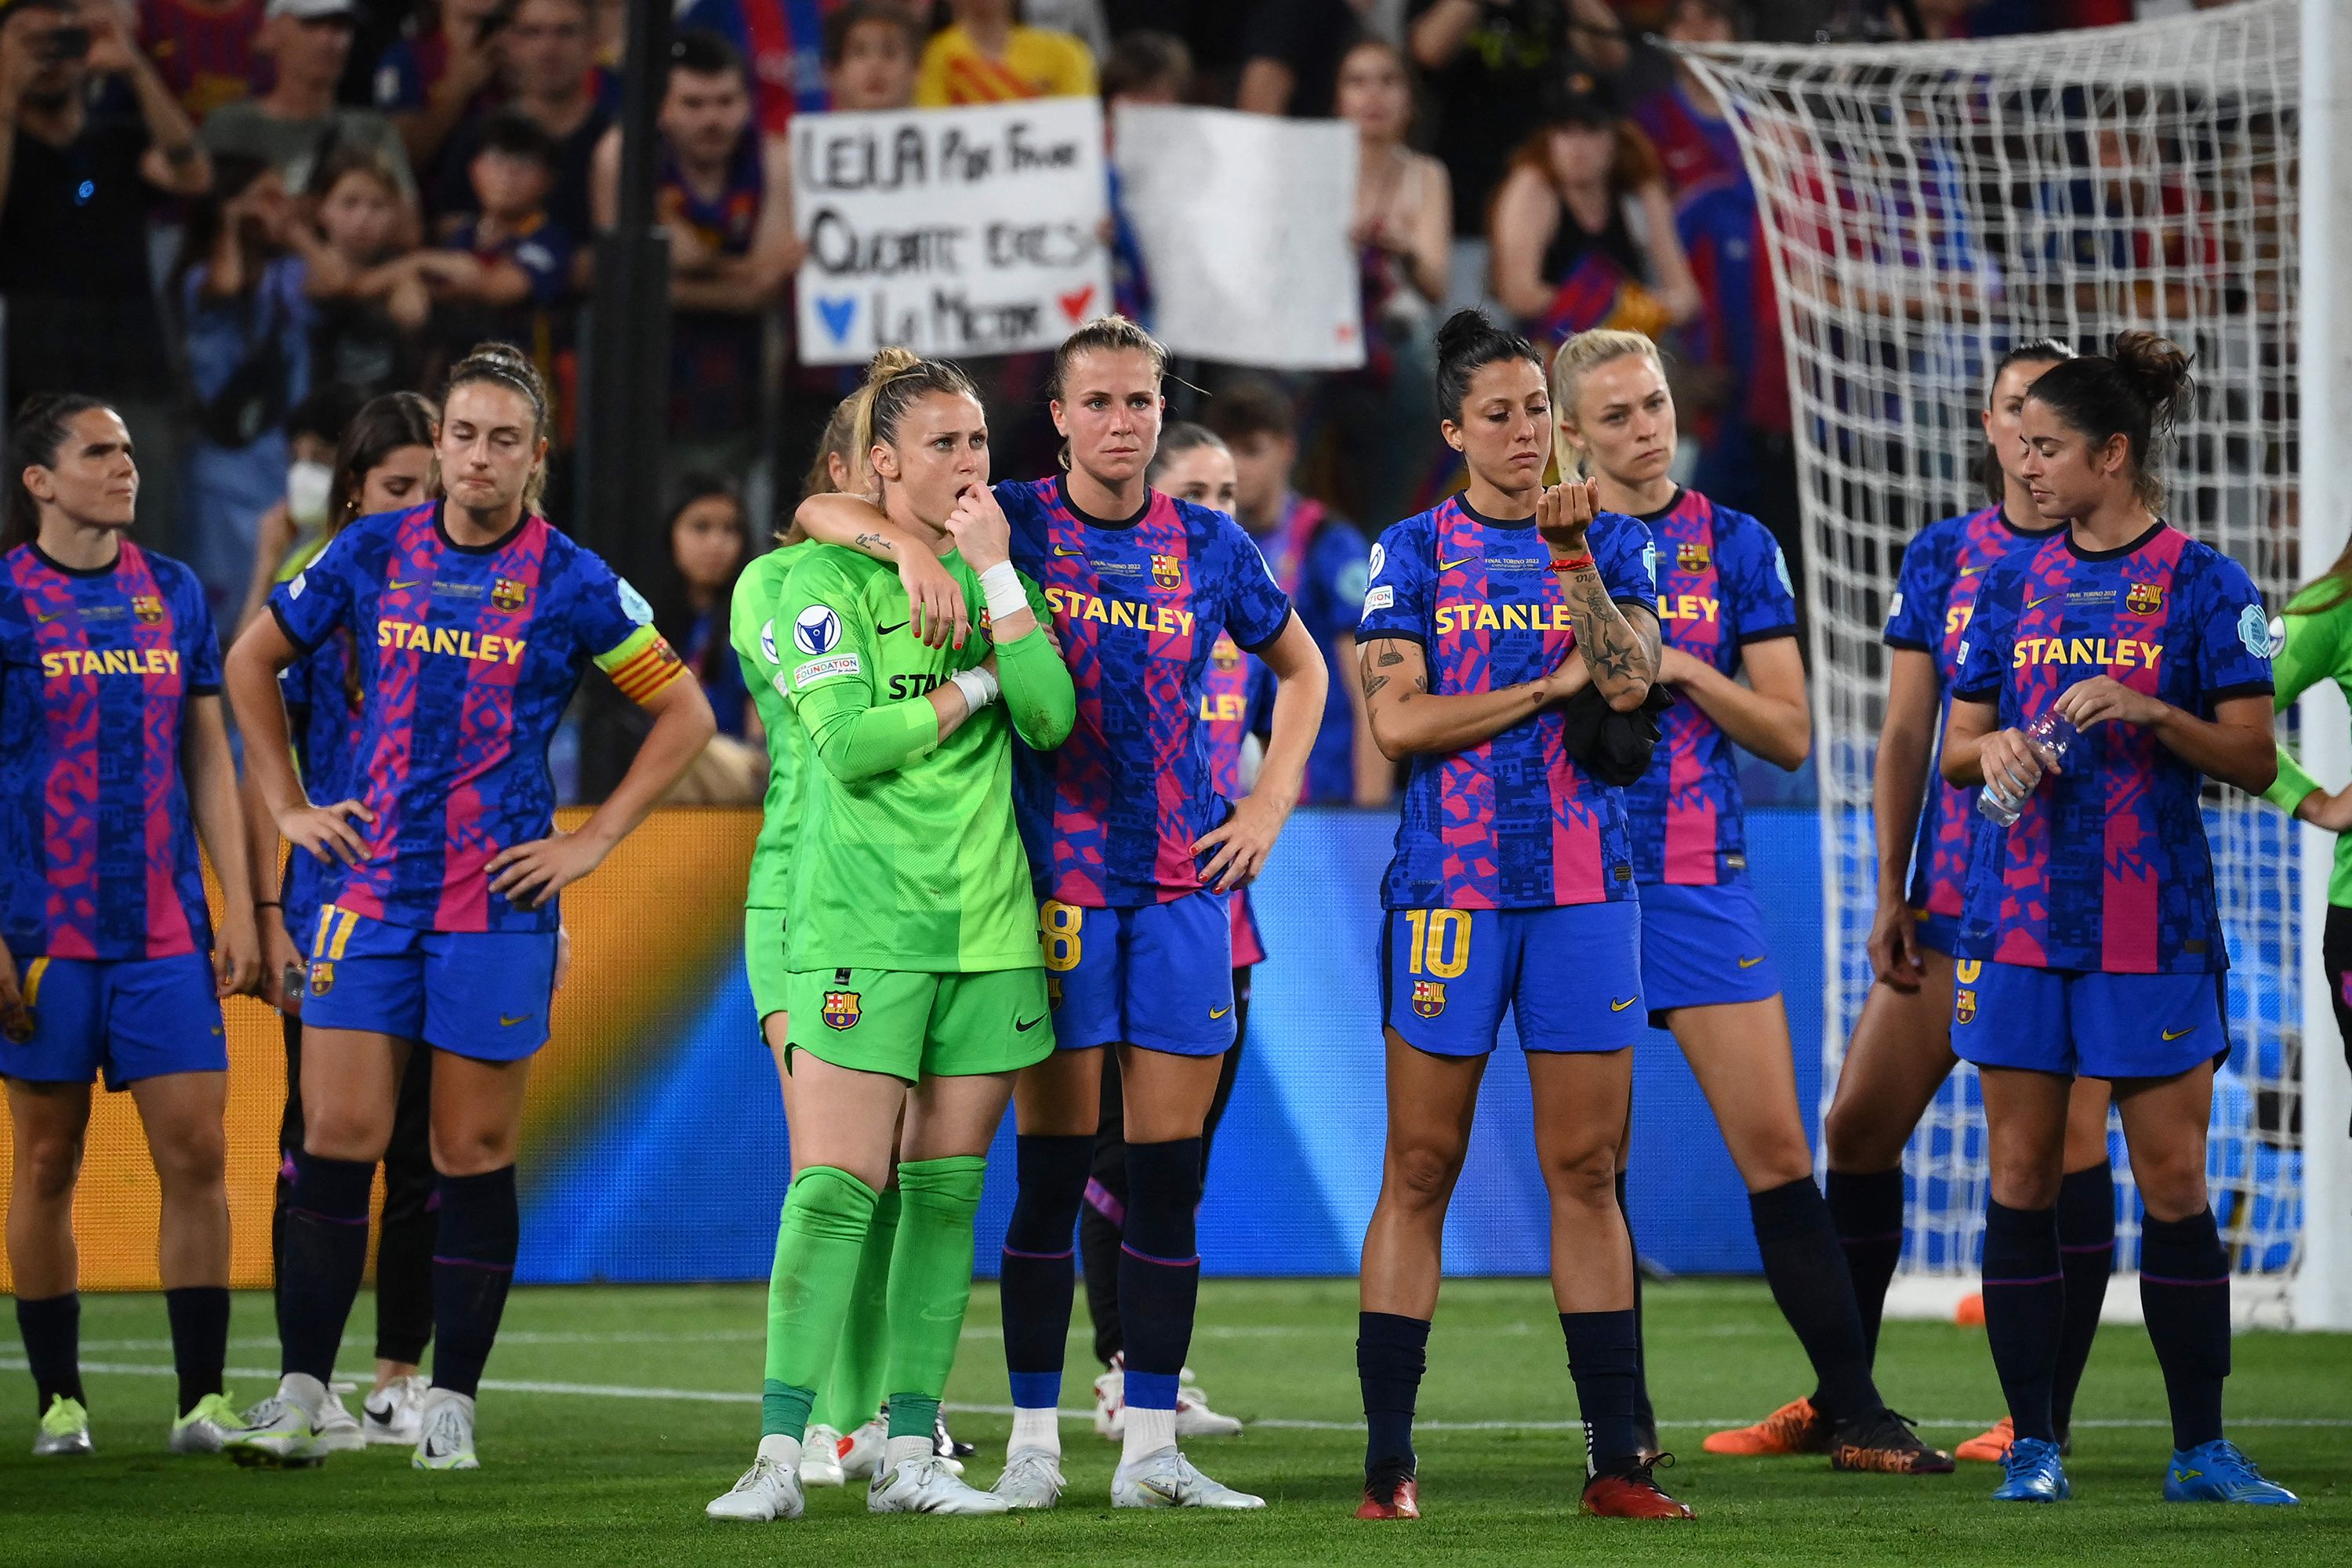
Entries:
{"x":199,"y":1316}
{"x":1867,"y":1212}
{"x":1160,"y":1267}
{"x":473,"y":1264}
{"x":1806,"y":1268}
{"x":2184,"y":1292}
{"x":1645,"y":1420}
{"x":2024,"y":1302}
{"x":51,"y":1329}
{"x":409,"y":1229}
{"x":2086,"y":1255}
{"x":1391,"y":1353}
{"x":1039,"y":1271}
{"x":322,"y":1255}
{"x":1602,"y":1360}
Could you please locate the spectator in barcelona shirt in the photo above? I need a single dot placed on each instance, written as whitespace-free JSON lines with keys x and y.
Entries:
{"x":297,"y":123}
{"x":548,"y":73}
{"x":77,"y":182}
{"x":782,"y":41}
{"x":499,"y":273}
{"x":1684,"y":120}
{"x":203,"y":50}
{"x":985,"y":57}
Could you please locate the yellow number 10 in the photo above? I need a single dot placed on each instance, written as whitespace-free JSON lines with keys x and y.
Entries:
{"x":1440,"y":945}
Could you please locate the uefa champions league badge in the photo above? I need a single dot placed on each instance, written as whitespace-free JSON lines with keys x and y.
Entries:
{"x":767,"y":641}
{"x":817,"y":630}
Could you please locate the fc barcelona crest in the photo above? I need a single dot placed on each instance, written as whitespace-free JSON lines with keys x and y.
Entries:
{"x":1428,"y":998}
{"x":840,"y":1009}
{"x":508,"y":594}
{"x":2145,"y":598}
{"x":1692,"y":557}
{"x":1965,"y":1004}
{"x":1167,"y":572}
{"x":148,"y":607}
{"x":323,"y":977}
{"x":1224,"y":655}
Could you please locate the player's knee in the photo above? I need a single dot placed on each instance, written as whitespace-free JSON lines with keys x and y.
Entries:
{"x":1422,"y":1174}
{"x":1856,"y":1137}
{"x":47,"y":1165}
{"x":194,"y":1160}
{"x":336,"y":1132}
{"x":2171,"y":1183}
{"x":1583,"y":1178}
{"x":472,"y":1152}
{"x":1777,"y":1159}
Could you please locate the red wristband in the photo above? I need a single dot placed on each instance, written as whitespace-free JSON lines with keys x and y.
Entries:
{"x":1573,"y":563}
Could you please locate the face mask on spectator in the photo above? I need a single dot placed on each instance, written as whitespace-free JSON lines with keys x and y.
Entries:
{"x":307,"y":484}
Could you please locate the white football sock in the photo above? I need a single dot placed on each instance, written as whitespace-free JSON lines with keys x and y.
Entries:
{"x":782,"y":1452}
{"x":1036,"y":1429}
{"x":900,"y":1451}
{"x":1147,"y":1431}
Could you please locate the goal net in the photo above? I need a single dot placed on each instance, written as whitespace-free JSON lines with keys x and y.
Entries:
{"x":1927,"y":205}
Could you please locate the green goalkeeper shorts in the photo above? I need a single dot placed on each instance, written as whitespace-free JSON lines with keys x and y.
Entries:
{"x":763,"y":960}
{"x":913,"y":1024}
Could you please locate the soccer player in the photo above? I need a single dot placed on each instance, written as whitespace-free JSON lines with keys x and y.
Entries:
{"x":911,"y":955}
{"x":382,"y":463}
{"x":1192,"y":464}
{"x":2090,"y":941}
{"x":1900,"y":1053}
{"x":1512,"y":887}
{"x":113,"y":760}
{"x":1134,"y":852}
{"x":474,"y":620}
{"x":1726,"y":610}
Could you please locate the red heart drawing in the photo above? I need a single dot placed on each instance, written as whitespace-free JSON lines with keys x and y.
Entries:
{"x":1345,"y":331}
{"x":1075,"y":305}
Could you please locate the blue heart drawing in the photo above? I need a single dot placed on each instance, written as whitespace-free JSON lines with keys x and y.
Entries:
{"x":837,"y":314}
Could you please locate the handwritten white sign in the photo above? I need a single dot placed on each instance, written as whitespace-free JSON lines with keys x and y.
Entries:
{"x":1242,"y":220}
{"x":950,"y":231}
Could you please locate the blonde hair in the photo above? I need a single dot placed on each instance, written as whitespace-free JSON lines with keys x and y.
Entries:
{"x":896,"y":380}
{"x":1104,"y":335}
{"x":1587,"y":351}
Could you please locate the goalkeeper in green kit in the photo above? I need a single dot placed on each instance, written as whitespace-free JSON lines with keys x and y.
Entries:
{"x":913,"y":976}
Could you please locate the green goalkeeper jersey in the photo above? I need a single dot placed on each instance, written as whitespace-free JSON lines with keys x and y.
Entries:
{"x":2312,"y":646}
{"x":908,"y":855}
{"x":751,"y":628}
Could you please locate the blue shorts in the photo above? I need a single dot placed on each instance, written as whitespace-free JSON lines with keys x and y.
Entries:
{"x":1937,"y":933}
{"x":1156,"y":976}
{"x":1703,"y":947}
{"x":2084,"y":1023}
{"x":482,"y":994}
{"x":1571,"y":977}
{"x":127,"y":1018}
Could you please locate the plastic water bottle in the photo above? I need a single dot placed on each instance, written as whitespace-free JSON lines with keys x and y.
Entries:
{"x":2053,"y":735}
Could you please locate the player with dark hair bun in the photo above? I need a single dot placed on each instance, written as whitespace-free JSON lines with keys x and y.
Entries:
{"x":2106,"y":672}
{"x":113,"y":763}
{"x":1512,"y":888}
{"x":474,"y":620}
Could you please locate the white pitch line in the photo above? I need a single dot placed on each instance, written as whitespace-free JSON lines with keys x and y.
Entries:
{"x":1272,"y":1423}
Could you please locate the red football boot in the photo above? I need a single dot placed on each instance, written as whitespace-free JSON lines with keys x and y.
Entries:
{"x":1634,"y":1495}
{"x":1392,"y":1494}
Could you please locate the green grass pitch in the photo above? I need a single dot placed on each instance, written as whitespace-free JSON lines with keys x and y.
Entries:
{"x":597,"y":1452}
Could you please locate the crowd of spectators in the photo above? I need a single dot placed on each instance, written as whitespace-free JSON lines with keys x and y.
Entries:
{"x":233,"y":216}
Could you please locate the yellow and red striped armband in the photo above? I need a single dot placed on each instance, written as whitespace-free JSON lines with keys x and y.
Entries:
{"x":643,"y":665}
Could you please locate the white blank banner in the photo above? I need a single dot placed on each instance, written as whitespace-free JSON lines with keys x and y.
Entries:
{"x":1244,"y":221}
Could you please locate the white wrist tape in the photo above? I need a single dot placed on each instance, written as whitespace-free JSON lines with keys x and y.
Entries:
{"x":979,"y":687}
{"x":1002,"y":584}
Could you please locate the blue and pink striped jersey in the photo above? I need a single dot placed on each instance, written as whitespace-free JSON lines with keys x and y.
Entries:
{"x":1691,"y":145}
{"x":206,"y":56}
{"x":1111,"y":817}
{"x":96,"y":670}
{"x":1723,"y":586}
{"x":1320,"y":560}
{"x":2107,"y":868}
{"x":1943,"y":566}
{"x":1236,"y":702}
{"x":1512,"y":823}
{"x":467,"y":659}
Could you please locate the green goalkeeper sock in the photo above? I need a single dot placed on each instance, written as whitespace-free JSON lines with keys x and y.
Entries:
{"x":854,"y":1391}
{"x":930,"y":1276}
{"x":825,"y":1218}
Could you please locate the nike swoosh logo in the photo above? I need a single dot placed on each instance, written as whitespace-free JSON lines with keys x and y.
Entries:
{"x":1621,"y":1007}
{"x":2045,"y":598}
{"x":1751,"y":963}
{"x":40,"y":619}
{"x":894,"y":625}
{"x":2176,"y":1034}
{"x":1970,"y":570}
{"x":395,"y":586}
{"x":1215,"y":1013}
{"x":1060,"y":550}
{"x":1021,"y":1028}
{"x":509,"y":1022}
{"x":1450,"y":565}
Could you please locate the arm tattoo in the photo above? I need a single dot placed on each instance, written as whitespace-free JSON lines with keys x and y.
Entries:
{"x":870,"y":540}
{"x":1614,"y":651}
{"x":1389,"y":657}
{"x":1372,"y":686}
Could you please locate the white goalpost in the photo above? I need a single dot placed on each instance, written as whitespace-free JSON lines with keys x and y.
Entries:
{"x":1925,"y":205}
